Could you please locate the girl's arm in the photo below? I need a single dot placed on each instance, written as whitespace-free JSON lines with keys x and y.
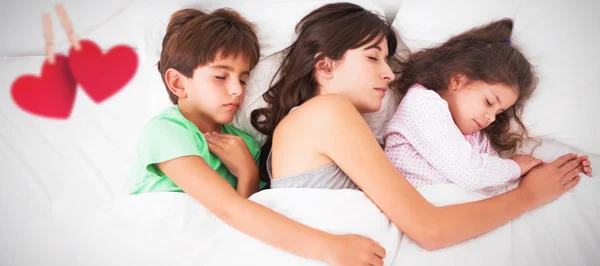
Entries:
{"x":423,"y":119}
{"x":197,"y":179}
{"x":348,"y":141}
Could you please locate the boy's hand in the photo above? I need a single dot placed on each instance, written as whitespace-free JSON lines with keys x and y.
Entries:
{"x":526,"y":162}
{"x":351,"y":250}
{"x":234,"y":154}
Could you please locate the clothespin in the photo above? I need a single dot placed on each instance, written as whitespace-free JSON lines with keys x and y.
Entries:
{"x":49,"y":38}
{"x":66,"y":23}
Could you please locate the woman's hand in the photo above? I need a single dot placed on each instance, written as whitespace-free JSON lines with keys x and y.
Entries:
{"x":546,"y":182}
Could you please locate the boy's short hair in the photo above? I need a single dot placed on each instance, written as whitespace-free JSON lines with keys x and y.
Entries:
{"x":196,"y":38}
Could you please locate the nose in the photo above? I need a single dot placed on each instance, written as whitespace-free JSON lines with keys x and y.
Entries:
{"x":490,"y":118}
{"x":236,"y":89}
{"x":387,"y":74}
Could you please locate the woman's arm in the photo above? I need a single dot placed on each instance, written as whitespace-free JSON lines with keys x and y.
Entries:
{"x":197,"y":179}
{"x":348,"y":141}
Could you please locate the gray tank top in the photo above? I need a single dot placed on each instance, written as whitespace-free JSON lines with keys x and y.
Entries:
{"x":329,"y":176}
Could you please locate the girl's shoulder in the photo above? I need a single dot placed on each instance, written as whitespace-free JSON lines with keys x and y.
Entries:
{"x":419,"y":91}
{"x":419,"y":99}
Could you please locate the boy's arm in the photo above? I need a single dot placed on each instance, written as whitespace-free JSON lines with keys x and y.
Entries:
{"x":235,"y":154}
{"x":197,"y":179}
{"x":176,"y":152}
{"x":248,"y":185}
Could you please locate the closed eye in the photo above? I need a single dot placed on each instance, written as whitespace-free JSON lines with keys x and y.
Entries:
{"x":220,"y":77}
{"x":488,"y":102}
{"x":373,"y":58}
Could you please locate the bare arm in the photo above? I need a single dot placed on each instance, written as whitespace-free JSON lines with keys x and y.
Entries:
{"x":235,"y":155}
{"x":197,"y":179}
{"x":348,"y":141}
{"x":247,"y":186}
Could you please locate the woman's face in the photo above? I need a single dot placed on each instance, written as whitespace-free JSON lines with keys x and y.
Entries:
{"x":362,"y":75}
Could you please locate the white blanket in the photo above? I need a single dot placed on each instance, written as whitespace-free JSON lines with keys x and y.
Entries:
{"x":173,"y":229}
{"x":564,"y":232}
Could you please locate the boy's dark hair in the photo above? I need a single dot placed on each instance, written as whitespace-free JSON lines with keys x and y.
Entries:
{"x":195,"y":38}
{"x":483,"y":54}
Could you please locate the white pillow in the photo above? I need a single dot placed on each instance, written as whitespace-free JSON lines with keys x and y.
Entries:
{"x":276,"y":31}
{"x":560,"y":38}
{"x":275,"y":20}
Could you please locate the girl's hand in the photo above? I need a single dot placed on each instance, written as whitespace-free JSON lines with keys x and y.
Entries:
{"x":546,"y":182}
{"x":526,"y":162}
{"x":234,"y":153}
{"x":353,"y":250}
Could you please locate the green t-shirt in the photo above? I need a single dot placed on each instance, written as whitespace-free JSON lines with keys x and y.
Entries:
{"x":170,"y":135}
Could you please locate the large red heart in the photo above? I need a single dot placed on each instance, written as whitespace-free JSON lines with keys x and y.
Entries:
{"x":102,"y":75}
{"x":51,"y":95}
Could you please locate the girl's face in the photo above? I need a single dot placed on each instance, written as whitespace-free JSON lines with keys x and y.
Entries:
{"x":475,"y":104}
{"x":362,"y":75}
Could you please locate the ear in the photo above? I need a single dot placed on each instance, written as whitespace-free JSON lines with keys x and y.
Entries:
{"x":324,"y":67}
{"x":176,"y":82}
{"x":457,"y":82}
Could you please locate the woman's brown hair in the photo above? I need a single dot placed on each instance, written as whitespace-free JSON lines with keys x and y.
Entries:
{"x":327,"y":32}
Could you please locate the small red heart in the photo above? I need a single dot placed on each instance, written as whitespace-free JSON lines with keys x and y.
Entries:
{"x":51,"y":95}
{"x":102,"y":75}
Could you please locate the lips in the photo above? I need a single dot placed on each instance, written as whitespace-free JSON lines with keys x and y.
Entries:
{"x":232,"y":105}
{"x":382,"y":90}
{"x":479,"y":126}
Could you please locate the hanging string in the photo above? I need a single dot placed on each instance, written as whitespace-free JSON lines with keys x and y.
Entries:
{"x":83,"y":33}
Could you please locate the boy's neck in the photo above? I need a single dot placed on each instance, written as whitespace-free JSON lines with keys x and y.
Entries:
{"x":204,"y":124}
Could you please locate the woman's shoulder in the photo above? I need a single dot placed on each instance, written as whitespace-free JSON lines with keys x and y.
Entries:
{"x":318,"y":113}
{"x":324,"y":105}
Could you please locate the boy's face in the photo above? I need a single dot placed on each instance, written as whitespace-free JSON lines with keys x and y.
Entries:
{"x":217,"y":89}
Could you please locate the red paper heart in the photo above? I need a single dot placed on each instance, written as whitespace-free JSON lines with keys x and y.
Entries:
{"x":51,"y":95}
{"x":102,"y":75}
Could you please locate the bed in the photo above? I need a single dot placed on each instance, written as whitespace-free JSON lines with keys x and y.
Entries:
{"x":63,"y":195}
